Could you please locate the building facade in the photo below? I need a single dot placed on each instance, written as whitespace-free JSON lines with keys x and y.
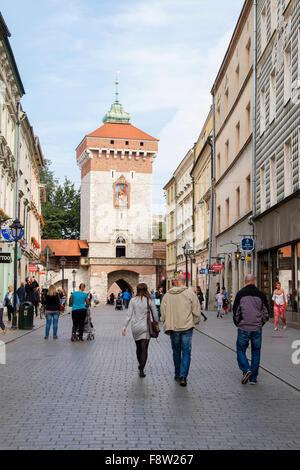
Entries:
{"x":201,"y":174}
{"x":116,"y":203}
{"x":170,"y":194}
{"x":15,"y":130}
{"x":277,"y":202}
{"x":232,"y":95}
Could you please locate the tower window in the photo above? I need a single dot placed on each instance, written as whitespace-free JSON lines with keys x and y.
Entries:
{"x":120,"y":251}
{"x":142,"y":144}
{"x":126,"y":143}
{"x":112,"y":142}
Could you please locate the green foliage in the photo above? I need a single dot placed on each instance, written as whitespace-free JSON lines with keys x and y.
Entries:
{"x":61,"y":212}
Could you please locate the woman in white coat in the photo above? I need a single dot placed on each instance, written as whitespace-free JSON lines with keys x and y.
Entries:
{"x":138,"y":315}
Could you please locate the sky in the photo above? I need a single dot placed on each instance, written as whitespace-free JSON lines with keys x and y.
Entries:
{"x":168,"y":53}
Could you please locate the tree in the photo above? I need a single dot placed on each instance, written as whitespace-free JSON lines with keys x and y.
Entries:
{"x":61,"y":212}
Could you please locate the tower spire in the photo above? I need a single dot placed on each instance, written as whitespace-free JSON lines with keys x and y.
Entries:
{"x":116,"y":114}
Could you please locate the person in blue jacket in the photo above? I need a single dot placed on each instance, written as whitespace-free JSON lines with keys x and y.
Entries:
{"x":126,"y":298}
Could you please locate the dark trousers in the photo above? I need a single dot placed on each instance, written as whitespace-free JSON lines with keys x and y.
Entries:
{"x":78,"y":317}
{"x":2,"y":326}
{"x":142,"y":352}
{"x":10,"y":311}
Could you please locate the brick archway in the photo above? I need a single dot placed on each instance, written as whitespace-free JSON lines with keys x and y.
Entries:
{"x":123,"y":278}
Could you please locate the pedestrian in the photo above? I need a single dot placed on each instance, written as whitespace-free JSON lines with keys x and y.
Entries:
{"x":52,"y":310}
{"x":126,"y":298}
{"x":225,"y":301}
{"x":200,"y":296}
{"x":158,"y":298}
{"x":2,"y":326}
{"x":21,"y":292}
{"x":138,"y":315}
{"x":29,"y":289}
{"x":80,"y":301}
{"x":180,"y":311}
{"x":63,"y":297}
{"x":36,"y":300}
{"x":152,"y":293}
{"x":280,"y":305}
{"x":250,"y":313}
{"x":220,"y":298}
{"x":9,"y":302}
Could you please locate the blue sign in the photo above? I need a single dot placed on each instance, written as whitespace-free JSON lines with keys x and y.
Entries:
{"x":204,"y":271}
{"x":7,"y":234}
{"x":247,"y":244}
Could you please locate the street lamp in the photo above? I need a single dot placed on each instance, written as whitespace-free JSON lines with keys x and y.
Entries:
{"x":186,"y":251}
{"x":62,"y":265}
{"x":74,"y":276}
{"x":16,"y":232}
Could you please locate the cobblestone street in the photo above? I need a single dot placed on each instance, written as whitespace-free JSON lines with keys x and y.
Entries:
{"x":63,"y":395}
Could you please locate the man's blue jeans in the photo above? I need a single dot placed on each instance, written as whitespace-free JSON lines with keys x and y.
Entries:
{"x":49,"y":317}
{"x":182,"y":346}
{"x":243,"y":339}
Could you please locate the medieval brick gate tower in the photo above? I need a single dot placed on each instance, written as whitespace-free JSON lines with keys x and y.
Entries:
{"x":116,"y":203}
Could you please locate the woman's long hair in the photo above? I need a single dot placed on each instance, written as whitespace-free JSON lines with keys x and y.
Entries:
{"x":142,"y":291}
{"x":52,"y":290}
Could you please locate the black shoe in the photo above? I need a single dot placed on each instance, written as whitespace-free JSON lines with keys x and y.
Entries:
{"x":205,"y":318}
{"x":246,"y":377}
{"x":177,"y":379}
{"x":142,"y":374}
{"x":183,"y":381}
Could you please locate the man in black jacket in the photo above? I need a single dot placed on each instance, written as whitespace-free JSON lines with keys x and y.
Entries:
{"x":250,"y":313}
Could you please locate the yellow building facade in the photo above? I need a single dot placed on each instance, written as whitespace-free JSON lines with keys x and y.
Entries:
{"x":170,"y":192}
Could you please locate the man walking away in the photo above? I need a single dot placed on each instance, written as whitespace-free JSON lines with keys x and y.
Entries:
{"x":250,"y":313}
{"x":21,"y":292}
{"x":180,"y":311}
{"x":200,"y":296}
{"x":126,"y":298}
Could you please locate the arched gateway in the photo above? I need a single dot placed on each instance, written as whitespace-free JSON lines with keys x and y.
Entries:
{"x":116,"y":203}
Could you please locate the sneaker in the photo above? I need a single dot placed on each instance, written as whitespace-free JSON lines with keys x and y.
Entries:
{"x":276,"y":328}
{"x":253,"y":382}
{"x":46,"y":337}
{"x":55,"y":337}
{"x":183,"y":381}
{"x":177,"y":379}
{"x":4,"y":331}
{"x":81,"y":341}
{"x":73,"y":337}
{"x":284,"y":327}
{"x":142,"y":373}
{"x":246,"y":376}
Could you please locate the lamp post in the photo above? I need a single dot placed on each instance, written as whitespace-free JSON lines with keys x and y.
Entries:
{"x":16,"y":233}
{"x":74,"y":276}
{"x":62,"y":265}
{"x":186,"y":251}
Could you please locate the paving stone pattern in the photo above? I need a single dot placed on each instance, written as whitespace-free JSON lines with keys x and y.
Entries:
{"x":63,"y":395}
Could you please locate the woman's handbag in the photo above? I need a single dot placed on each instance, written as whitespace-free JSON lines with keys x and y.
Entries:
{"x":154,"y":329}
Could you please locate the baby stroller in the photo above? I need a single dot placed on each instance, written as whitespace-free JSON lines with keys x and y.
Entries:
{"x":88,"y":326}
{"x":119,"y":305}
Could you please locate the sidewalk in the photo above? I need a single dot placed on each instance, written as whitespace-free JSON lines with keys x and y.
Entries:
{"x":276,"y":355}
{"x":12,"y":335}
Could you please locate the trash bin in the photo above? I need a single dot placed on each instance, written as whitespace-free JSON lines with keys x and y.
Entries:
{"x":25,"y":316}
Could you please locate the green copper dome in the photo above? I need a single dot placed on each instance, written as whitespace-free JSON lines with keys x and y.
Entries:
{"x":116,"y":114}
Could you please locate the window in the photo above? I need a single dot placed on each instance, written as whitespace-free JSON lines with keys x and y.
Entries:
{"x":272,"y":181}
{"x":226,"y":102}
{"x":263,"y":30}
{"x":248,"y":47}
{"x":237,"y":138}
{"x":121,"y":240}
{"x":262,"y":189}
{"x":248,"y":119}
{"x":226,"y":154}
{"x":113,"y":173}
{"x":112,"y":142}
{"x":218,"y":165}
{"x":142,"y":144}
{"x":218,"y":118}
{"x":126,"y":143}
{"x":272,"y":97}
{"x":238,"y":202}
{"x":219,"y":219}
{"x":287,"y":74}
{"x":227,"y":213}
{"x":120,"y":251}
{"x":237,"y":80}
{"x":262,"y":111}
{"x":132,"y":174}
{"x":248,"y":193}
{"x":288,"y":168}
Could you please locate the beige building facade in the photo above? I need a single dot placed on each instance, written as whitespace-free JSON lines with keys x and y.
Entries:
{"x":170,"y":194}
{"x":232,"y":95}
